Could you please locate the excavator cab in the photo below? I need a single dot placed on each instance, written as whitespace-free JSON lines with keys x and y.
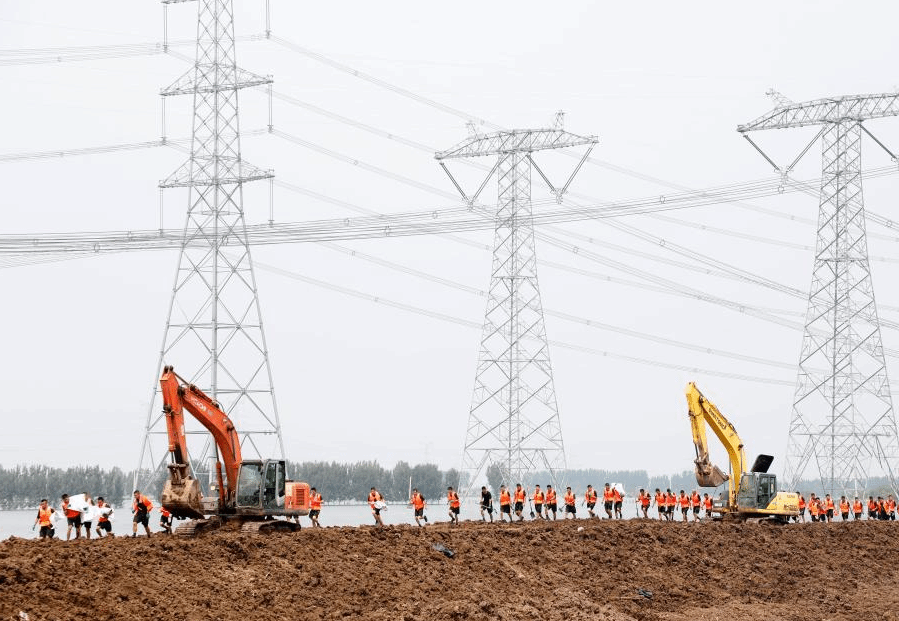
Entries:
{"x":261,"y":486}
{"x":757,"y":490}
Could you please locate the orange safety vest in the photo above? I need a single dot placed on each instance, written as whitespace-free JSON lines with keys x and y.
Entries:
{"x":801,"y":503}
{"x":607,"y":495}
{"x":708,"y":503}
{"x":616,"y":495}
{"x":505,"y":498}
{"x":569,"y":499}
{"x":373,"y":497}
{"x":538,"y":498}
{"x":590,"y":495}
{"x":672,"y":500}
{"x":143,"y":500}
{"x":891,"y":506}
{"x":695,"y":500}
{"x":844,"y":506}
{"x":453,"y":499}
{"x":70,"y":513}
{"x":684,"y":502}
{"x":830,"y":505}
{"x":881,"y":506}
{"x":872,"y":505}
{"x":645,"y":501}
{"x":315,"y":501}
{"x":103,"y":518}
{"x":165,"y":512}
{"x":417,"y":501}
{"x":551,"y":497}
{"x":519,"y":495}
{"x":660,"y":500}
{"x":813,"y":508}
{"x":857,"y":506}
{"x":44,"y":516}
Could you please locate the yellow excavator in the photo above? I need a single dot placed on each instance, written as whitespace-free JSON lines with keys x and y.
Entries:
{"x":750,"y":495}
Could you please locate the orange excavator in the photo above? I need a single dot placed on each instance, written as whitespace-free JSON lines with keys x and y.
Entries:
{"x":251,"y":494}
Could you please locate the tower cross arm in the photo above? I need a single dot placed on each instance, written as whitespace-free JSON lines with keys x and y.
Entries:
{"x":516,"y":140}
{"x":826,"y":110}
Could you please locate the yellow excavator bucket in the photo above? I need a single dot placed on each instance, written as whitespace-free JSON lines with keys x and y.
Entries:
{"x":181,"y":495}
{"x":708,"y":474}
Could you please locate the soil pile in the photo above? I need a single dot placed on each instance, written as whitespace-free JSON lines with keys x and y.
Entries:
{"x":535,"y":570}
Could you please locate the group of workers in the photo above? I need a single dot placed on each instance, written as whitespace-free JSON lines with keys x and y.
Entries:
{"x":826,"y":509}
{"x":86,"y":511}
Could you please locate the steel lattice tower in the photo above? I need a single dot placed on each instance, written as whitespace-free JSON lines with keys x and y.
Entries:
{"x":842,"y":419}
{"x":213,"y":333}
{"x":514,"y":418}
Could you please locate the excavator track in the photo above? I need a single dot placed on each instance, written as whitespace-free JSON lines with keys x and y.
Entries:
{"x":256,"y":527}
{"x":193,"y":528}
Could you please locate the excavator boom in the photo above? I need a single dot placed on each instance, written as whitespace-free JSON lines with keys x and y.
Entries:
{"x":703,"y":412}
{"x":181,"y":494}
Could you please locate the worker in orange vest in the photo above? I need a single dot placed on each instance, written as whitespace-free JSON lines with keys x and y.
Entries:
{"x":418,"y":507}
{"x":452,"y":499}
{"x":538,"y":499}
{"x":695,"y":504}
{"x":872,"y":508}
{"x":520,"y":497}
{"x":608,"y":501}
{"x":707,"y":504}
{"x":551,"y":503}
{"x":45,"y":520}
{"x":672,"y":505}
{"x":844,"y":509}
{"x":644,"y":500}
{"x":891,"y":508}
{"x":376,"y":502}
{"x":857,"y":509}
{"x":505,"y":504}
{"x":829,"y":507}
{"x":881,"y":508}
{"x":570,"y":504}
{"x":73,"y":518}
{"x":141,"y":508}
{"x":165,"y":520}
{"x":813,"y":507}
{"x":801,"y":516}
{"x":618,"y":501}
{"x":590,"y":498}
{"x":315,"y":507}
{"x":661,"y":503}
{"x":103,"y":523}
{"x":684,"y":502}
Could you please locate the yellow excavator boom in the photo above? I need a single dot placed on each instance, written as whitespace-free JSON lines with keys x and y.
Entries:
{"x":701,"y":412}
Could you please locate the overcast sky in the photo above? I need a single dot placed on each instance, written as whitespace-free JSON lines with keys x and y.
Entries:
{"x":662,"y":84}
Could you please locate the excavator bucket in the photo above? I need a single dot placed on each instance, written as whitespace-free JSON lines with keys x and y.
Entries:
{"x":708,"y":474}
{"x":181,"y":495}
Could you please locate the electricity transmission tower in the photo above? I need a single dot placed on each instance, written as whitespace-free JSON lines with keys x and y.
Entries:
{"x":842,"y":420}
{"x":213,"y":334}
{"x":513,"y":423}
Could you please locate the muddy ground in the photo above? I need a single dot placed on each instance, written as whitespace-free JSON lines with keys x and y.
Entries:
{"x":527,"y":571}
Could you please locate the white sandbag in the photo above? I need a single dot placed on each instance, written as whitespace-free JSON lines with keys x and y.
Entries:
{"x":90,"y":514}
{"x":619,"y":487}
{"x":78,"y":502}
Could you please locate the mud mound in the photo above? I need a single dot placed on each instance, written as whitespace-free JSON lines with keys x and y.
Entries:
{"x":540,"y":571}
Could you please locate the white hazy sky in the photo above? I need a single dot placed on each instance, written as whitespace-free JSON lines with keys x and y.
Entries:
{"x":662,"y":84}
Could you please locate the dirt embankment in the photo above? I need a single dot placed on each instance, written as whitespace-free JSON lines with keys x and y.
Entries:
{"x":539,"y":571}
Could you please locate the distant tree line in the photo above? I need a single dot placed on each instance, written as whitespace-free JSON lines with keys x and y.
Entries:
{"x":25,"y":485}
